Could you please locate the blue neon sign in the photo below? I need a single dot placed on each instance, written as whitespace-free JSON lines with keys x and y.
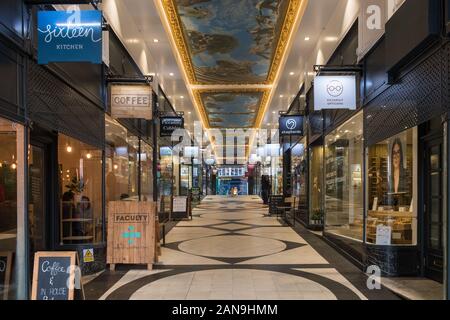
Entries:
{"x":65,"y":36}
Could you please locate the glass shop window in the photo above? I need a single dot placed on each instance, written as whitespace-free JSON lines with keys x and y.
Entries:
{"x":300,"y":176}
{"x":121,"y":162}
{"x":315,"y":186}
{"x":146,"y":172}
{"x":11,"y":145}
{"x":392,"y":212}
{"x":343,"y":180}
{"x":80,"y":169}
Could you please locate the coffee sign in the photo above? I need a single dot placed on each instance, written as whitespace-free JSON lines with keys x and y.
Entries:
{"x":70,"y":36}
{"x":335,"y":92}
{"x":131,"y":101}
{"x":55,"y":276}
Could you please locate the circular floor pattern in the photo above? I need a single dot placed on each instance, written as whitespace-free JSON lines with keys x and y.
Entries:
{"x":233,"y":284}
{"x":232,"y":246}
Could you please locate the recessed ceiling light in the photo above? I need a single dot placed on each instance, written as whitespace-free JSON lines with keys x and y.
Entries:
{"x":307,"y":38}
{"x":182,"y":97}
{"x":274,"y":112}
{"x":171,"y":74}
{"x":189,"y":112}
{"x":291,"y":73}
{"x":155,"y":40}
{"x":281,"y":96}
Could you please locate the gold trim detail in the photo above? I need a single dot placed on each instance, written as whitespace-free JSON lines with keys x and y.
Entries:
{"x":181,"y":43}
{"x":175,"y":26}
{"x":263,"y":102}
{"x":294,"y":9}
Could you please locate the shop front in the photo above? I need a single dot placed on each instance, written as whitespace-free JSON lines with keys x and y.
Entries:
{"x":343,"y":186}
{"x":299,"y":169}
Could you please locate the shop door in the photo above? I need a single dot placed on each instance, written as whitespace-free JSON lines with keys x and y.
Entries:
{"x":37,"y":199}
{"x":433,"y":208}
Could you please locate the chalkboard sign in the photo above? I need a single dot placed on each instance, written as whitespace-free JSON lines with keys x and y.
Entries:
{"x":5,"y":273}
{"x":54,"y":275}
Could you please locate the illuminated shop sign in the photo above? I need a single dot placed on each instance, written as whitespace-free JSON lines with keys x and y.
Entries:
{"x":70,"y":36}
{"x":335,"y":92}
{"x":291,"y":125}
{"x":131,"y":101}
{"x":169,"y":124}
{"x":231,"y":172}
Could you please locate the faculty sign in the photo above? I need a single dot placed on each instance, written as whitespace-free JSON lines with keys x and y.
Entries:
{"x":131,"y":233}
{"x":291,"y":125}
{"x":335,"y":92}
{"x":69,"y":36}
{"x":131,"y":101}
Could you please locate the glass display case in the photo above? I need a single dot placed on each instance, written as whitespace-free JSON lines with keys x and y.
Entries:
{"x":391,"y":217}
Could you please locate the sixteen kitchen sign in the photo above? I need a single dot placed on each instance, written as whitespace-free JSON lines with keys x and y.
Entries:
{"x":335,"y":92}
{"x":70,"y":36}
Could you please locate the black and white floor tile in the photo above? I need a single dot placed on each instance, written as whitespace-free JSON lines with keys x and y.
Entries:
{"x":233,"y":250}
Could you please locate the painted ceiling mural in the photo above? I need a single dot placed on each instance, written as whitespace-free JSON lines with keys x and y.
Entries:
{"x":231,"y":42}
{"x":231,"y":109}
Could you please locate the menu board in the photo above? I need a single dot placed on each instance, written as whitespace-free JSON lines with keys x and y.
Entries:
{"x":54,"y":275}
{"x":179,"y":204}
{"x":5,"y":273}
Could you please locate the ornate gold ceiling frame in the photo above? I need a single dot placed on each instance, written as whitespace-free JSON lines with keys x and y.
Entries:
{"x":262,"y":102}
{"x":181,"y":43}
{"x":293,"y":17}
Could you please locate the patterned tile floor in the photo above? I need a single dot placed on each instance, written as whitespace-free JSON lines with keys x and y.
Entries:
{"x":232,"y":250}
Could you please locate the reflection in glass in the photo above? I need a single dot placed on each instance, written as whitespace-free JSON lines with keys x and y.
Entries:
{"x":343,"y":177}
{"x":80,"y":170}
{"x":8,"y":205}
{"x":315,"y":186}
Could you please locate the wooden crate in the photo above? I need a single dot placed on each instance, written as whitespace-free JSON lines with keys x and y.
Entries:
{"x":131,"y":233}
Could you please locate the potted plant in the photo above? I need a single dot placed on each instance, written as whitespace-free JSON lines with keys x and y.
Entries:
{"x":317,"y":216}
{"x":76,"y":186}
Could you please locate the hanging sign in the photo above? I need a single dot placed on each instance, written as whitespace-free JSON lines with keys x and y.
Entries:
{"x":169,"y":124}
{"x":70,"y":36}
{"x":335,"y":92}
{"x":131,"y":101}
{"x":291,"y":125}
{"x":55,"y":276}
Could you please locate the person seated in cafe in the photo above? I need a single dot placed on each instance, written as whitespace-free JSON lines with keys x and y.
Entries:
{"x":83,"y":212}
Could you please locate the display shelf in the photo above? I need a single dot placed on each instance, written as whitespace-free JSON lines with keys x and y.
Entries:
{"x":77,"y":221}
{"x":400,"y":222}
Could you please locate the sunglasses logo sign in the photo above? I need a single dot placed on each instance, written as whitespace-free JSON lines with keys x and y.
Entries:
{"x":335,"y":88}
